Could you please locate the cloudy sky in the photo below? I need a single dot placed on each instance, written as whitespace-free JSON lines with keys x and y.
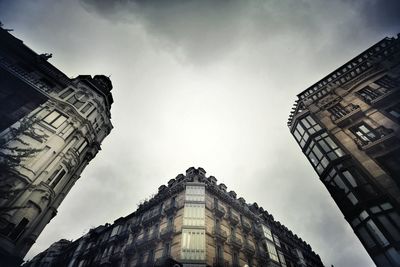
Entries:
{"x":204,"y":83}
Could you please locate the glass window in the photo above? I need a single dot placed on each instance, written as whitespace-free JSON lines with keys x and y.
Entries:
{"x":195,"y":193}
{"x":267,"y":232}
{"x":193,"y":244}
{"x":86,"y":107}
{"x":272,"y":251}
{"x":277,"y":242}
{"x":194,"y":214}
{"x":377,"y":233}
{"x":66,"y":93}
{"x":115,"y":230}
{"x":282,"y":259}
{"x":304,"y":128}
{"x":365,"y":237}
{"x":55,"y":119}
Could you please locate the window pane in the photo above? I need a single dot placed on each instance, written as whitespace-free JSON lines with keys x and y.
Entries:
{"x":51,"y":117}
{"x":60,"y":120}
{"x":364,"y":236}
{"x":377,"y":233}
{"x":66,"y":93}
{"x":389,"y":227}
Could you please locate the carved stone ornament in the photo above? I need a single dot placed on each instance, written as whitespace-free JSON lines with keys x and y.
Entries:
{"x":329,"y":100}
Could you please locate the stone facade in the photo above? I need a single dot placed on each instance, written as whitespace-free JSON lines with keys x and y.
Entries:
{"x":192,"y":221}
{"x":51,"y":126}
{"x":347,"y":124}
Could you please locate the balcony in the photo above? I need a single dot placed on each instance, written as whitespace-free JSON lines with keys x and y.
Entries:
{"x":258,"y":233}
{"x":347,"y":115}
{"x":235,"y":242}
{"x":233,"y":218}
{"x":248,"y":248}
{"x":170,"y":208}
{"x":384,"y":139}
{"x":220,"y":234}
{"x":151,"y":218}
{"x":219,"y":211}
{"x":246,"y":226}
{"x":377,"y":97}
{"x":167,"y":232}
{"x":146,"y":242}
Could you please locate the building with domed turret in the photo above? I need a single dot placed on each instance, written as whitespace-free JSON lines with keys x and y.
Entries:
{"x":51,"y":127}
{"x":191,"y":221}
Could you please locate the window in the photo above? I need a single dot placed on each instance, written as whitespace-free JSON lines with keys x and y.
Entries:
{"x":364,"y":132}
{"x":66,"y":93}
{"x":272,"y":251}
{"x":55,"y":119}
{"x":378,"y":224}
{"x":304,"y":128}
{"x":321,"y":151}
{"x":220,"y":254}
{"x":277,"y":243}
{"x":77,"y":100}
{"x":194,"y":214}
{"x":115,"y":230}
{"x":342,"y":183}
{"x":235,"y":259}
{"x":387,"y":82}
{"x":60,"y":175}
{"x":86,"y":107}
{"x":167,"y":249}
{"x":15,"y":234}
{"x":394,"y":112}
{"x":82,"y":146}
{"x":338,"y":111}
{"x":195,"y":193}
{"x":193,"y":244}
{"x":282,"y":259}
{"x":267,"y":232}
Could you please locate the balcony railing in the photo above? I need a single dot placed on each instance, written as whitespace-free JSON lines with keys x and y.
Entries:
{"x":376,"y":97}
{"x":170,"y":208}
{"x":258,"y":233}
{"x":145,"y":241}
{"x":167,"y":232}
{"x":150,"y":218}
{"x":346,"y":115}
{"x":233,"y":218}
{"x":384,"y":138}
{"x":248,"y":248}
{"x":235,"y":242}
{"x":220,"y":234}
{"x":219,"y":211}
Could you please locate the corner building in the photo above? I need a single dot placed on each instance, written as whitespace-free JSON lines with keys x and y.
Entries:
{"x":193,"y":221}
{"x":51,"y":127}
{"x":347,"y":125}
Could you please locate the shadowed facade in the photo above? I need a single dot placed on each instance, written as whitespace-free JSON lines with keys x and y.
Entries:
{"x":347,"y":125}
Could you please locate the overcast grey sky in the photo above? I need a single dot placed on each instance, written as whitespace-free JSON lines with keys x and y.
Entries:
{"x":204,"y":83}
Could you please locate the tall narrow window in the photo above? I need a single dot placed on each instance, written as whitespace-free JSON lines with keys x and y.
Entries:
{"x":15,"y":234}
{"x":193,"y":244}
{"x":194,"y":214}
{"x":364,"y":132}
{"x":55,"y":119}
{"x":59,"y":176}
{"x":66,"y":93}
{"x":167,"y":249}
{"x":235,"y":259}
{"x":87,"y":107}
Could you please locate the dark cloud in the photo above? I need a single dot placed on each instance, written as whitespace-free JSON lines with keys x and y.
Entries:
{"x":207,"y":30}
{"x":204,"y":83}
